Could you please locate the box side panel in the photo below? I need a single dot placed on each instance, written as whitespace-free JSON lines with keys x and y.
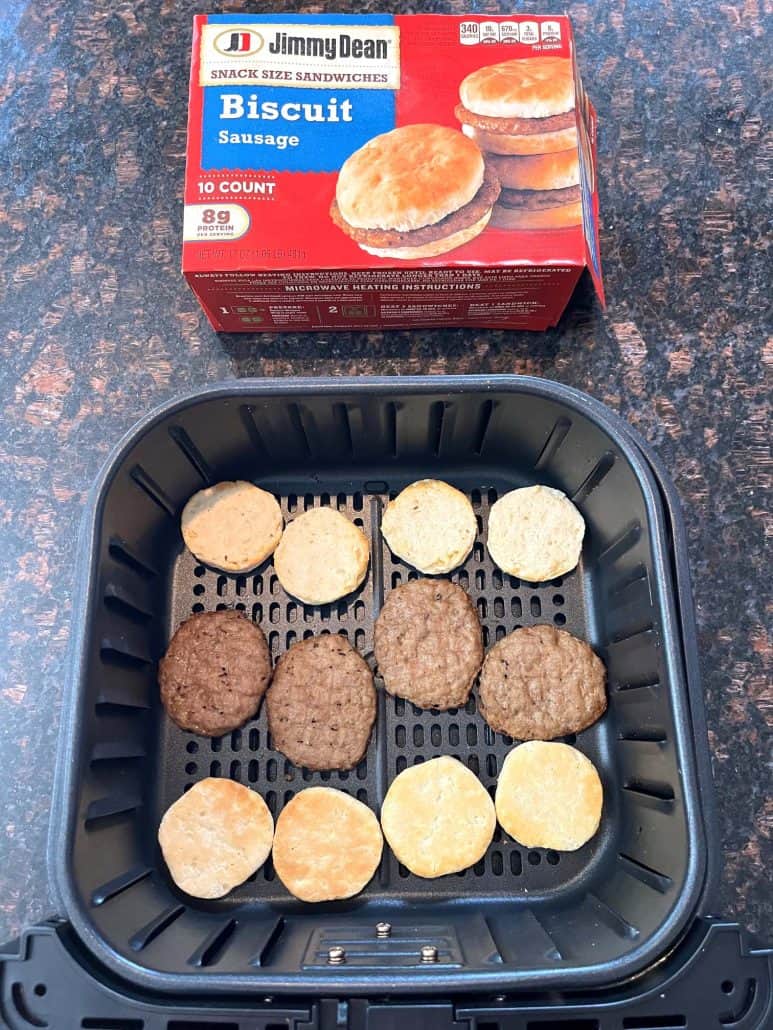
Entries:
{"x":524,"y":298}
{"x":587,"y":134}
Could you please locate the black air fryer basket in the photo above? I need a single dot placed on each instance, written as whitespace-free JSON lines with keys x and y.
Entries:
{"x":520,"y":919}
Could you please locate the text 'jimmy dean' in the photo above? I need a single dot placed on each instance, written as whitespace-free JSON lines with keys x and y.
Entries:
{"x":330,"y":48}
{"x":363,"y":56}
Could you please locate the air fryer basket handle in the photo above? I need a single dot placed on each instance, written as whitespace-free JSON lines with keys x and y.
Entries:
{"x":715,"y":977}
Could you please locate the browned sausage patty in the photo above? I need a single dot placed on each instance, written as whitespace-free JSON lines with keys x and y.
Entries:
{"x":322,"y":704}
{"x":541,"y":682}
{"x":429,"y":643}
{"x":538,"y":200}
{"x":214,"y":673}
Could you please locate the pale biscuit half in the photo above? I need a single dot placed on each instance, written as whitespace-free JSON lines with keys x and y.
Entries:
{"x":430,"y":525}
{"x":215,"y":836}
{"x":535,"y":533}
{"x":232,"y":526}
{"x":322,"y":556}
{"x":437,"y":817}
{"x":327,"y":845}
{"x":549,"y":795}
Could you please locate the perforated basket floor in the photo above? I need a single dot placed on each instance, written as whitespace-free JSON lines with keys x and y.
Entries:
{"x":518,"y":917}
{"x":404,"y":734}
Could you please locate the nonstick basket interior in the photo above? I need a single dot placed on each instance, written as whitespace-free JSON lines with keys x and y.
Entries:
{"x":519,"y":917}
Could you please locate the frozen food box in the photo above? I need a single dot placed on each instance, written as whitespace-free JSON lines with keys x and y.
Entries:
{"x":379,"y":171}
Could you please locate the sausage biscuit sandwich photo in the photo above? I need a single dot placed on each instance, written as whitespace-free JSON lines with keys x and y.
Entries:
{"x":415,"y":192}
{"x":522,"y":114}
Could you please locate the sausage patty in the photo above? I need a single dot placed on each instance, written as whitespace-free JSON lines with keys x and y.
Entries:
{"x":541,"y":682}
{"x":322,"y":704}
{"x":429,"y":643}
{"x":214,"y":673}
{"x":539,"y":200}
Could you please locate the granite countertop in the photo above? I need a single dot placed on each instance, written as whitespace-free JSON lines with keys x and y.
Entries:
{"x":98,"y":326}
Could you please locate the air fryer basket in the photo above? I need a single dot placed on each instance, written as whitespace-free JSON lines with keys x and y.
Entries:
{"x":519,"y":918}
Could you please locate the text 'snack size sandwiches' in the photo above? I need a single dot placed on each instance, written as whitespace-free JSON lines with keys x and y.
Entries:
{"x":376,"y":171}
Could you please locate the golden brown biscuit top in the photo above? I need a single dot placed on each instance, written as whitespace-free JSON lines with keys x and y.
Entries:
{"x":535,"y":87}
{"x":409,"y":177}
{"x":327,"y":845}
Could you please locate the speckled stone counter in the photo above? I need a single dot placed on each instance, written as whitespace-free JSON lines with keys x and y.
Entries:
{"x":98,"y":326}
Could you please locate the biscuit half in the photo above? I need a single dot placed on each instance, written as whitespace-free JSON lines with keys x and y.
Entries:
{"x":535,"y":533}
{"x":549,"y":795}
{"x":438,"y":818}
{"x":322,"y":556}
{"x":215,"y":836}
{"x":430,"y":525}
{"x":233,"y":526}
{"x":327,"y":845}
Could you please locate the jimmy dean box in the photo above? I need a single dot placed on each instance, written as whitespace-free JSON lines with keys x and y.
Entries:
{"x":378,"y":171}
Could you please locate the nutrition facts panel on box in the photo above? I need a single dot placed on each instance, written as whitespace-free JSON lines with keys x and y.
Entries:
{"x":529,"y":33}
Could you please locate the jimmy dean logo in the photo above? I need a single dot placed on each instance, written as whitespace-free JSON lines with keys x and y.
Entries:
{"x":331,"y":47}
{"x":241,"y":43}
{"x":313,"y":55}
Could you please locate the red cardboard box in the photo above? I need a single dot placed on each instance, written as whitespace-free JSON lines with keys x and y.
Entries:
{"x":379,"y":171}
